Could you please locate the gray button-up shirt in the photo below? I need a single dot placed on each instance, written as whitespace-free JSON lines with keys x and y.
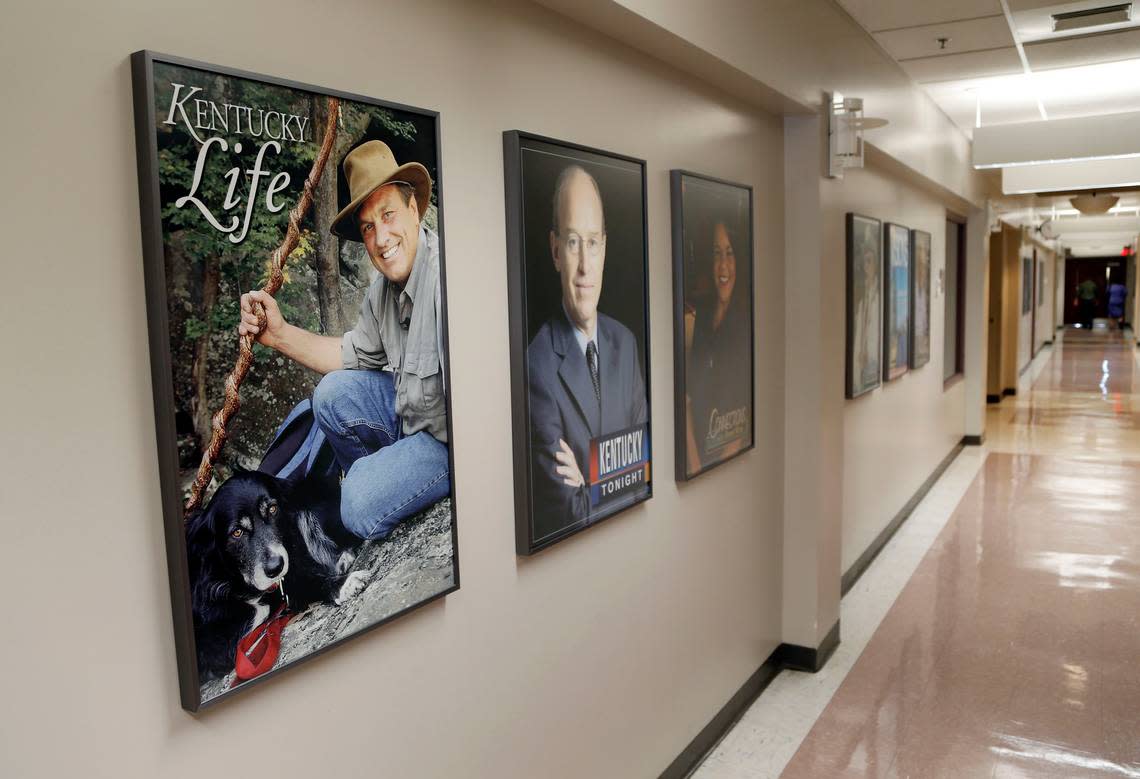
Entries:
{"x":400,"y":330}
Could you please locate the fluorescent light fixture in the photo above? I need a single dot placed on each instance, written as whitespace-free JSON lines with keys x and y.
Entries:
{"x":1082,"y":175}
{"x":1102,"y":137}
{"x":1096,"y":227}
{"x":1055,"y":161}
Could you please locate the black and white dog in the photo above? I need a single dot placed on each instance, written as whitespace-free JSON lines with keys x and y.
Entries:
{"x":256,"y":532}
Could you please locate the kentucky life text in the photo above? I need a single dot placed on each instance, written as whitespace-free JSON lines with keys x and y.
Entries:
{"x":196,"y":113}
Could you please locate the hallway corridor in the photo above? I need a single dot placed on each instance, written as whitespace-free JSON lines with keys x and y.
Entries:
{"x":1012,"y":649}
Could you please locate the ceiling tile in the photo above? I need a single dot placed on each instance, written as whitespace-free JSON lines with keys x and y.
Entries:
{"x":878,"y":15}
{"x":991,"y":32}
{"x":1091,"y":105}
{"x":1087,"y":50}
{"x":956,"y":67}
{"x":1033,"y":5}
{"x":960,"y":104}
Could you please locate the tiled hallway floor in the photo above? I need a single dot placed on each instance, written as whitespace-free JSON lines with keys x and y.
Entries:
{"x":1013,"y":650}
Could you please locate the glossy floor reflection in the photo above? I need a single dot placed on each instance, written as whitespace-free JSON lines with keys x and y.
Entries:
{"x":1013,"y":649}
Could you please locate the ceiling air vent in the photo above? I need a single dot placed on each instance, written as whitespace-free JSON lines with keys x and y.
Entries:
{"x":1092,"y":17}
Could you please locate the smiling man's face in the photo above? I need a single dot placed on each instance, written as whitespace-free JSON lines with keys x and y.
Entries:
{"x":390,"y":229}
{"x":579,"y":250}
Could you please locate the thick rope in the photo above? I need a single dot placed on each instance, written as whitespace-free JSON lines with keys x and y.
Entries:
{"x":245,"y":344}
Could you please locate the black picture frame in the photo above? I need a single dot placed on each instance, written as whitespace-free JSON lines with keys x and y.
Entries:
{"x":713,"y":203}
{"x":896,"y":300}
{"x":532,"y":164}
{"x":152,"y":200}
{"x":920,"y":291}
{"x":863,"y":314}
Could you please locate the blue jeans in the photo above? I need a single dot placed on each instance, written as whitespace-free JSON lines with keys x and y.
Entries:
{"x":388,"y":476}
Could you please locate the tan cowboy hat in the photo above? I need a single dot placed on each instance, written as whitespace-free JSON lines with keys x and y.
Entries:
{"x":368,"y":167}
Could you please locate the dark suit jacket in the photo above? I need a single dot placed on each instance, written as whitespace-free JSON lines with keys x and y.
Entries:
{"x":563,"y":405}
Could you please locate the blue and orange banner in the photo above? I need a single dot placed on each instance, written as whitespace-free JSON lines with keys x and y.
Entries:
{"x":619,"y":464}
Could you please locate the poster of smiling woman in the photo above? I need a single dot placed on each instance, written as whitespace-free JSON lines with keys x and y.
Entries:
{"x":714,"y":365}
{"x":579,"y":313}
{"x":295,"y":286}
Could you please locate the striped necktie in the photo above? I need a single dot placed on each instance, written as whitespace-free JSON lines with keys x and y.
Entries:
{"x":592,"y":363}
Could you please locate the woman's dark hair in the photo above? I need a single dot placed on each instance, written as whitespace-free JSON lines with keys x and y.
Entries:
{"x":734,"y":228}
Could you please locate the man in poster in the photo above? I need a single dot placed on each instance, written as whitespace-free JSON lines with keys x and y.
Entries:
{"x":588,"y":408}
{"x":381,"y":402}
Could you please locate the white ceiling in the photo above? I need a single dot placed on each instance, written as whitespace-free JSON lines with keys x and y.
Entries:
{"x":1001,"y":63}
{"x":1079,"y":73}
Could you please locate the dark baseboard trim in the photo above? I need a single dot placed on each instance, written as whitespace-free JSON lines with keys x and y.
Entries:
{"x":694,"y":754}
{"x":1009,"y":392}
{"x":711,"y":734}
{"x":993,"y":398}
{"x":973,"y":440}
{"x":859,"y":567}
{"x":806,"y":658}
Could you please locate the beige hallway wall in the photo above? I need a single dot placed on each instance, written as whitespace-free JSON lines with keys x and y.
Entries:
{"x":800,"y":50}
{"x":601,"y":657}
{"x":895,"y":436}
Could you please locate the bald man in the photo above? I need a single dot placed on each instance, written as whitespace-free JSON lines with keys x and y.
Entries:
{"x":585,"y":376}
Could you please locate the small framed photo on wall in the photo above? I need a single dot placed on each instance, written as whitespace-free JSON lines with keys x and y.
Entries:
{"x":896,"y":293}
{"x":920,"y":299}
{"x":864,"y":304}
{"x":578,"y":273}
{"x":713,"y":357}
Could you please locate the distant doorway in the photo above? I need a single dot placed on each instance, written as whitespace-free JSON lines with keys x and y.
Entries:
{"x":1101,"y":271}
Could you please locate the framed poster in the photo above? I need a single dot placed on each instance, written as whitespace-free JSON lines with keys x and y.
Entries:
{"x":896,"y":292}
{"x":295,"y":285}
{"x":577,"y":266}
{"x":713,"y":360}
{"x":864,"y":304}
{"x":920,"y":299}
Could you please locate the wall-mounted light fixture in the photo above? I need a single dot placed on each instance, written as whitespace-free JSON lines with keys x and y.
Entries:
{"x":845,"y":127}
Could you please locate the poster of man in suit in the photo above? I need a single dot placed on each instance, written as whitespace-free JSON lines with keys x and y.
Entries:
{"x":580,"y":336}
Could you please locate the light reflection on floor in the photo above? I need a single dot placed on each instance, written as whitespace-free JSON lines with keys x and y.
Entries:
{"x":1012,"y":649}
{"x":1019,"y":659}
